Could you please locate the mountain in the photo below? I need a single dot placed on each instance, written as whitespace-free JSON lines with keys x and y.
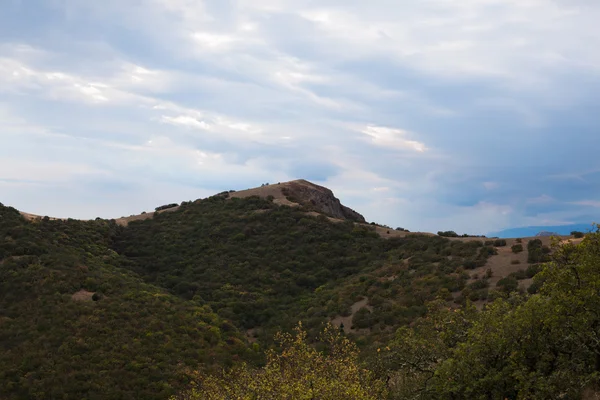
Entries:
{"x":139,"y":307}
{"x":530,"y":231}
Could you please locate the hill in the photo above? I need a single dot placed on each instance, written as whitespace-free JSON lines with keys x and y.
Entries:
{"x":74,"y":324}
{"x":135,"y":308}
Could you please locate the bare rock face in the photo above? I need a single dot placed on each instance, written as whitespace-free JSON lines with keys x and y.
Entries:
{"x":321,"y":199}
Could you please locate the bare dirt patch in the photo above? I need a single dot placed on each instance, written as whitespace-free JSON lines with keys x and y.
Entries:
{"x":347,"y":321}
{"x":502,"y":263}
{"x":140,"y":217}
{"x":83,"y":295}
{"x":265,"y":191}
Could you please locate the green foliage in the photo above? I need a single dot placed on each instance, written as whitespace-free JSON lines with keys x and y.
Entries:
{"x":134,"y":341}
{"x":546,"y":345}
{"x":537,"y":252}
{"x":298,"y":371}
{"x":448,"y":234}
{"x":517,"y":248}
{"x":267,"y":269}
{"x":166,"y":206}
{"x":577,"y":234}
{"x":508,"y":284}
{"x":519,"y":275}
{"x":500,"y":242}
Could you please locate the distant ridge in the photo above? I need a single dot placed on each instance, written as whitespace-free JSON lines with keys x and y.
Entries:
{"x":530,"y":231}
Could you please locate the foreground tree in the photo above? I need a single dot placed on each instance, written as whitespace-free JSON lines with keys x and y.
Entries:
{"x":297,"y":372}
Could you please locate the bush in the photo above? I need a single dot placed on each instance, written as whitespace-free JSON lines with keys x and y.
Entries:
{"x":488,"y":251}
{"x":500,"y":242}
{"x":480,"y":284}
{"x":538,"y":253}
{"x":535,"y":287}
{"x":532,"y":270}
{"x":166,"y":206}
{"x":519,"y":240}
{"x":447,"y":234}
{"x":577,"y":234}
{"x":508,"y":284}
{"x":515,"y":262}
{"x":517,"y":248}
{"x":519,"y":275}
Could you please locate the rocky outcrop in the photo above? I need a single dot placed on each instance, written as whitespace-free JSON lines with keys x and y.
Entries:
{"x":320,"y":198}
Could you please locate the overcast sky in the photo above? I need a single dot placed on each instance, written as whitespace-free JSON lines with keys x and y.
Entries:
{"x":471,"y":115}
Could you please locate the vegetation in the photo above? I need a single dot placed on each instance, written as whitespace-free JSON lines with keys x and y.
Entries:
{"x":297,"y":371}
{"x":537,"y":252}
{"x":577,"y":234}
{"x":448,"y":234}
{"x":264,"y":266}
{"x":188,"y":303}
{"x":520,"y":347}
{"x":165,"y":207}
{"x":127,"y":340}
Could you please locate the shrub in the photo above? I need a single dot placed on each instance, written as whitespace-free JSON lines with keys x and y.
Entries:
{"x":517,"y":248}
{"x":519,"y":240}
{"x":538,"y":253}
{"x":480,"y":284}
{"x":447,"y":234}
{"x":166,"y":206}
{"x":532,"y":270}
{"x":577,"y":234}
{"x":500,"y":242}
{"x":515,"y":262}
{"x":534,"y":287}
{"x":519,"y":275}
{"x":488,"y":251}
{"x":508,"y":284}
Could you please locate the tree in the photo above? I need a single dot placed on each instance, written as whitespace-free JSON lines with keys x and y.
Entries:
{"x":517,"y":248}
{"x":299,"y":371}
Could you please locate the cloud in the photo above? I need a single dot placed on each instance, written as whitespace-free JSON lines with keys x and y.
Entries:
{"x":429,"y":115}
{"x":588,"y":203}
{"x":395,"y":138}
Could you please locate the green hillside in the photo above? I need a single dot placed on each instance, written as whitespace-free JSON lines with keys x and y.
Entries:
{"x":95,"y":310}
{"x":264,"y":267}
{"x":132,"y":340}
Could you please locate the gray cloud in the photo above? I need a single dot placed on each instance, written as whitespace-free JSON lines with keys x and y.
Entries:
{"x":429,"y":115}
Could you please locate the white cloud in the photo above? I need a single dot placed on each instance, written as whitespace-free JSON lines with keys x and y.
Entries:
{"x":394,"y":138}
{"x":186,"y":121}
{"x":588,"y":203}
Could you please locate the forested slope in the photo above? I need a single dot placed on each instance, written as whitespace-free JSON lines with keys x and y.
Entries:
{"x":131,"y":340}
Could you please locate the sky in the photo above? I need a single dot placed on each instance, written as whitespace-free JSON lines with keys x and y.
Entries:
{"x":471,"y":115}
